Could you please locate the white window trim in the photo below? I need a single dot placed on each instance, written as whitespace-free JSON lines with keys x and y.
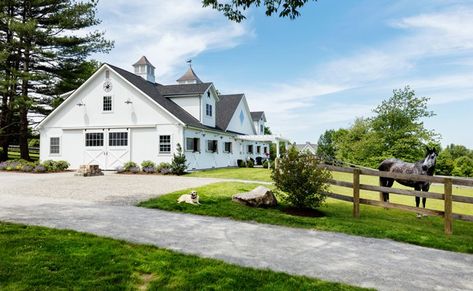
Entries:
{"x":170,"y":143}
{"x":60,"y":147}
{"x":231,"y":147}
{"x":192,"y":151}
{"x":113,"y":103}
{"x":94,"y":147}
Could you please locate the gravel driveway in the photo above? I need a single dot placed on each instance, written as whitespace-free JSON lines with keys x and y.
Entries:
{"x":103,"y":206}
{"x":116,"y":189}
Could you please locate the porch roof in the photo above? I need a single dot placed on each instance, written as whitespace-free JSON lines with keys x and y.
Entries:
{"x":264,"y":138}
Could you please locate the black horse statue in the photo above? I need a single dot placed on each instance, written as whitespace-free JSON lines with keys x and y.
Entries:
{"x":422,"y":167}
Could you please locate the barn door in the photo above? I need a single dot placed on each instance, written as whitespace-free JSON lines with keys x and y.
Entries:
{"x":95,"y":148}
{"x":118,"y":148}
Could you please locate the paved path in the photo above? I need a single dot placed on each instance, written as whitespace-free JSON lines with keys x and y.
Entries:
{"x":382,"y":264}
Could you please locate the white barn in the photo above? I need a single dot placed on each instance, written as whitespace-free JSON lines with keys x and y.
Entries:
{"x":117,"y":116}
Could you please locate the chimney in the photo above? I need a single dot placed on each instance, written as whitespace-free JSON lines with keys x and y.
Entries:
{"x":144,"y":69}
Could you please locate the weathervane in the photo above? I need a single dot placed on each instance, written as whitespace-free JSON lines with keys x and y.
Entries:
{"x":189,"y":61}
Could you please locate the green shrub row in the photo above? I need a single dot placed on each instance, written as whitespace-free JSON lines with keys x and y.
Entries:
{"x":47,"y":166}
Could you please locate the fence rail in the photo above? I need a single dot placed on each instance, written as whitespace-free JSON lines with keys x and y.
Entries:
{"x":446,"y":196}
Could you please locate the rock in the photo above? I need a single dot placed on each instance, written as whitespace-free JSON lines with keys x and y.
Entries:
{"x":89,"y":170}
{"x":258,"y":197}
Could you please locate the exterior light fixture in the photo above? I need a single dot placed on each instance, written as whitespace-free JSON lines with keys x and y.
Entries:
{"x":80,"y":104}
{"x":128,"y":101}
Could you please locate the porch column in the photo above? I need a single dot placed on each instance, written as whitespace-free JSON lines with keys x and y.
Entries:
{"x":277,"y":149}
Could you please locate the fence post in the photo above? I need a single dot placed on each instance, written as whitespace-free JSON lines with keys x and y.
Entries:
{"x":448,"y":206}
{"x":356,"y":193}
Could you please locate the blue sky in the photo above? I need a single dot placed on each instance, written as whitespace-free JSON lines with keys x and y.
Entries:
{"x":320,"y":71}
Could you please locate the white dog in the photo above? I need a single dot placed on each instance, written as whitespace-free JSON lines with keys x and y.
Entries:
{"x":192,"y":198}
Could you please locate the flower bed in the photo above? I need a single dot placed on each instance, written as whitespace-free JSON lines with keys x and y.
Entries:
{"x":147,"y":167}
{"x":47,"y":166}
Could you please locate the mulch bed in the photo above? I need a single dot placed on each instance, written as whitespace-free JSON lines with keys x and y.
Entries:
{"x":304,"y":212}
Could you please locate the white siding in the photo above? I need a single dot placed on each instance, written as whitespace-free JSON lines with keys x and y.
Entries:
{"x":189,"y":104}
{"x":205,"y":99}
{"x":245,"y":127}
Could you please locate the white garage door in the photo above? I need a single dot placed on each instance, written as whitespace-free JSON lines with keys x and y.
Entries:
{"x":108,"y":148}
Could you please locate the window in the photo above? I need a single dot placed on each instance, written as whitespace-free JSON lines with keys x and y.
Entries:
{"x":164,"y":144}
{"x":193,"y":144}
{"x":265,"y":150}
{"x":107,"y":103}
{"x":118,"y":139}
{"x":107,"y":74}
{"x":250,"y":149}
{"x":242,"y":117}
{"x":208,"y":94}
{"x":54,"y":147}
{"x":258,"y":149}
{"x":228,"y":147}
{"x":212,"y":146}
{"x":94,"y":139}
{"x":261,"y":129}
{"x":208,"y":109}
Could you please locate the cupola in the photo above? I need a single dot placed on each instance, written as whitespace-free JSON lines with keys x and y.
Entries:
{"x":189,"y":77}
{"x":144,"y":69}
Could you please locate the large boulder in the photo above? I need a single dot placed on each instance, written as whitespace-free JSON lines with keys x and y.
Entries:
{"x":258,"y":197}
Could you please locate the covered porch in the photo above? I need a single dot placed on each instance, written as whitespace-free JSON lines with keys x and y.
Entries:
{"x":276,"y":139}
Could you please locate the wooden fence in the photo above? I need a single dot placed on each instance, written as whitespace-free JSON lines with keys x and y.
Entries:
{"x":447,"y":196}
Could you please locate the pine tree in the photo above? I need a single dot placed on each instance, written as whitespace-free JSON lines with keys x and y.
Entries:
{"x":179,"y":162}
{"x":44,"y":41}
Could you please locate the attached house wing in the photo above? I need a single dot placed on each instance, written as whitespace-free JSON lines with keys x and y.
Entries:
{"x":226,"y":107}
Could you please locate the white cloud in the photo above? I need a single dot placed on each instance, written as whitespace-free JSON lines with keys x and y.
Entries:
{"x":167,"y":32}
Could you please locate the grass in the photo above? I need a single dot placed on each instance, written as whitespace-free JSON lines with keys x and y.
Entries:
{"x":16,"y":155}
{"x":374,"y":221}
{"x":260,"y":174}
{"x":37,"y":258}
{"x":251,"y":174}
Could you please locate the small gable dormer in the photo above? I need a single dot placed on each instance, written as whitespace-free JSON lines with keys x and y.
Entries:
{"x":145,"y":69}
{"x":259,"y":120}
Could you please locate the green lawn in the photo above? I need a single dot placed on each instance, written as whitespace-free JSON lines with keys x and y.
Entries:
{"x":37,"y":258}
{"x":374,"y":222}
{"x":259,"y":174}
{"x":16,"y":155}
{"x":253,"y":174}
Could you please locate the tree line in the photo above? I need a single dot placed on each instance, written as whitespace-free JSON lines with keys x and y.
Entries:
{"x":395,"y":131}
{"x":44,"y":50}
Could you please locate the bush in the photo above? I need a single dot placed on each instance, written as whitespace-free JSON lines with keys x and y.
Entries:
{"x":27,"y":168}
{"x":266,"y":164}
{"x":179,"y":162}
{"x":119,"y":169}
{"x":463,"y":167}
{"x":301,"y":180}
{"x":149,"y":170}
{"x":127,"y":166}
{"x":164,"y":168}
{"x":55,"y":166}
{"x":39,"y":169}
{"x":241,"y":163}
{"x":250,"y":163}
{"x":148,"y":164}
{"x":134,"y":170}
{"x":62,"y":165}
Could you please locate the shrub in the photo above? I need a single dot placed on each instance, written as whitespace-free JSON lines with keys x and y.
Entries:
{"x":149,"y":170}
{"x":250,"y":163}
{"x":164,"y":168}
{"x":62,"y":165}
{"x":179,"y":162}
{"x":134,"y":170}
{"x":127,"y":166}
{"x":39,"y":169}
{"x":3,"y":166}
{"x":119,"y":169}
{"x":265,"y":164}
{"x":148,"y":164}
{"x":463,"y":167}
{"x":301,"y":180}
{"x":241,"y":163}
{"x":27,"y":168}
{"x":55,"y":166}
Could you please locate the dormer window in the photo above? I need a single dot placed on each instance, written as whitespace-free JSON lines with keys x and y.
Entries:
{"x":261,"y":129}
{"x":208,"y":109}
{"x":208,"y":94}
